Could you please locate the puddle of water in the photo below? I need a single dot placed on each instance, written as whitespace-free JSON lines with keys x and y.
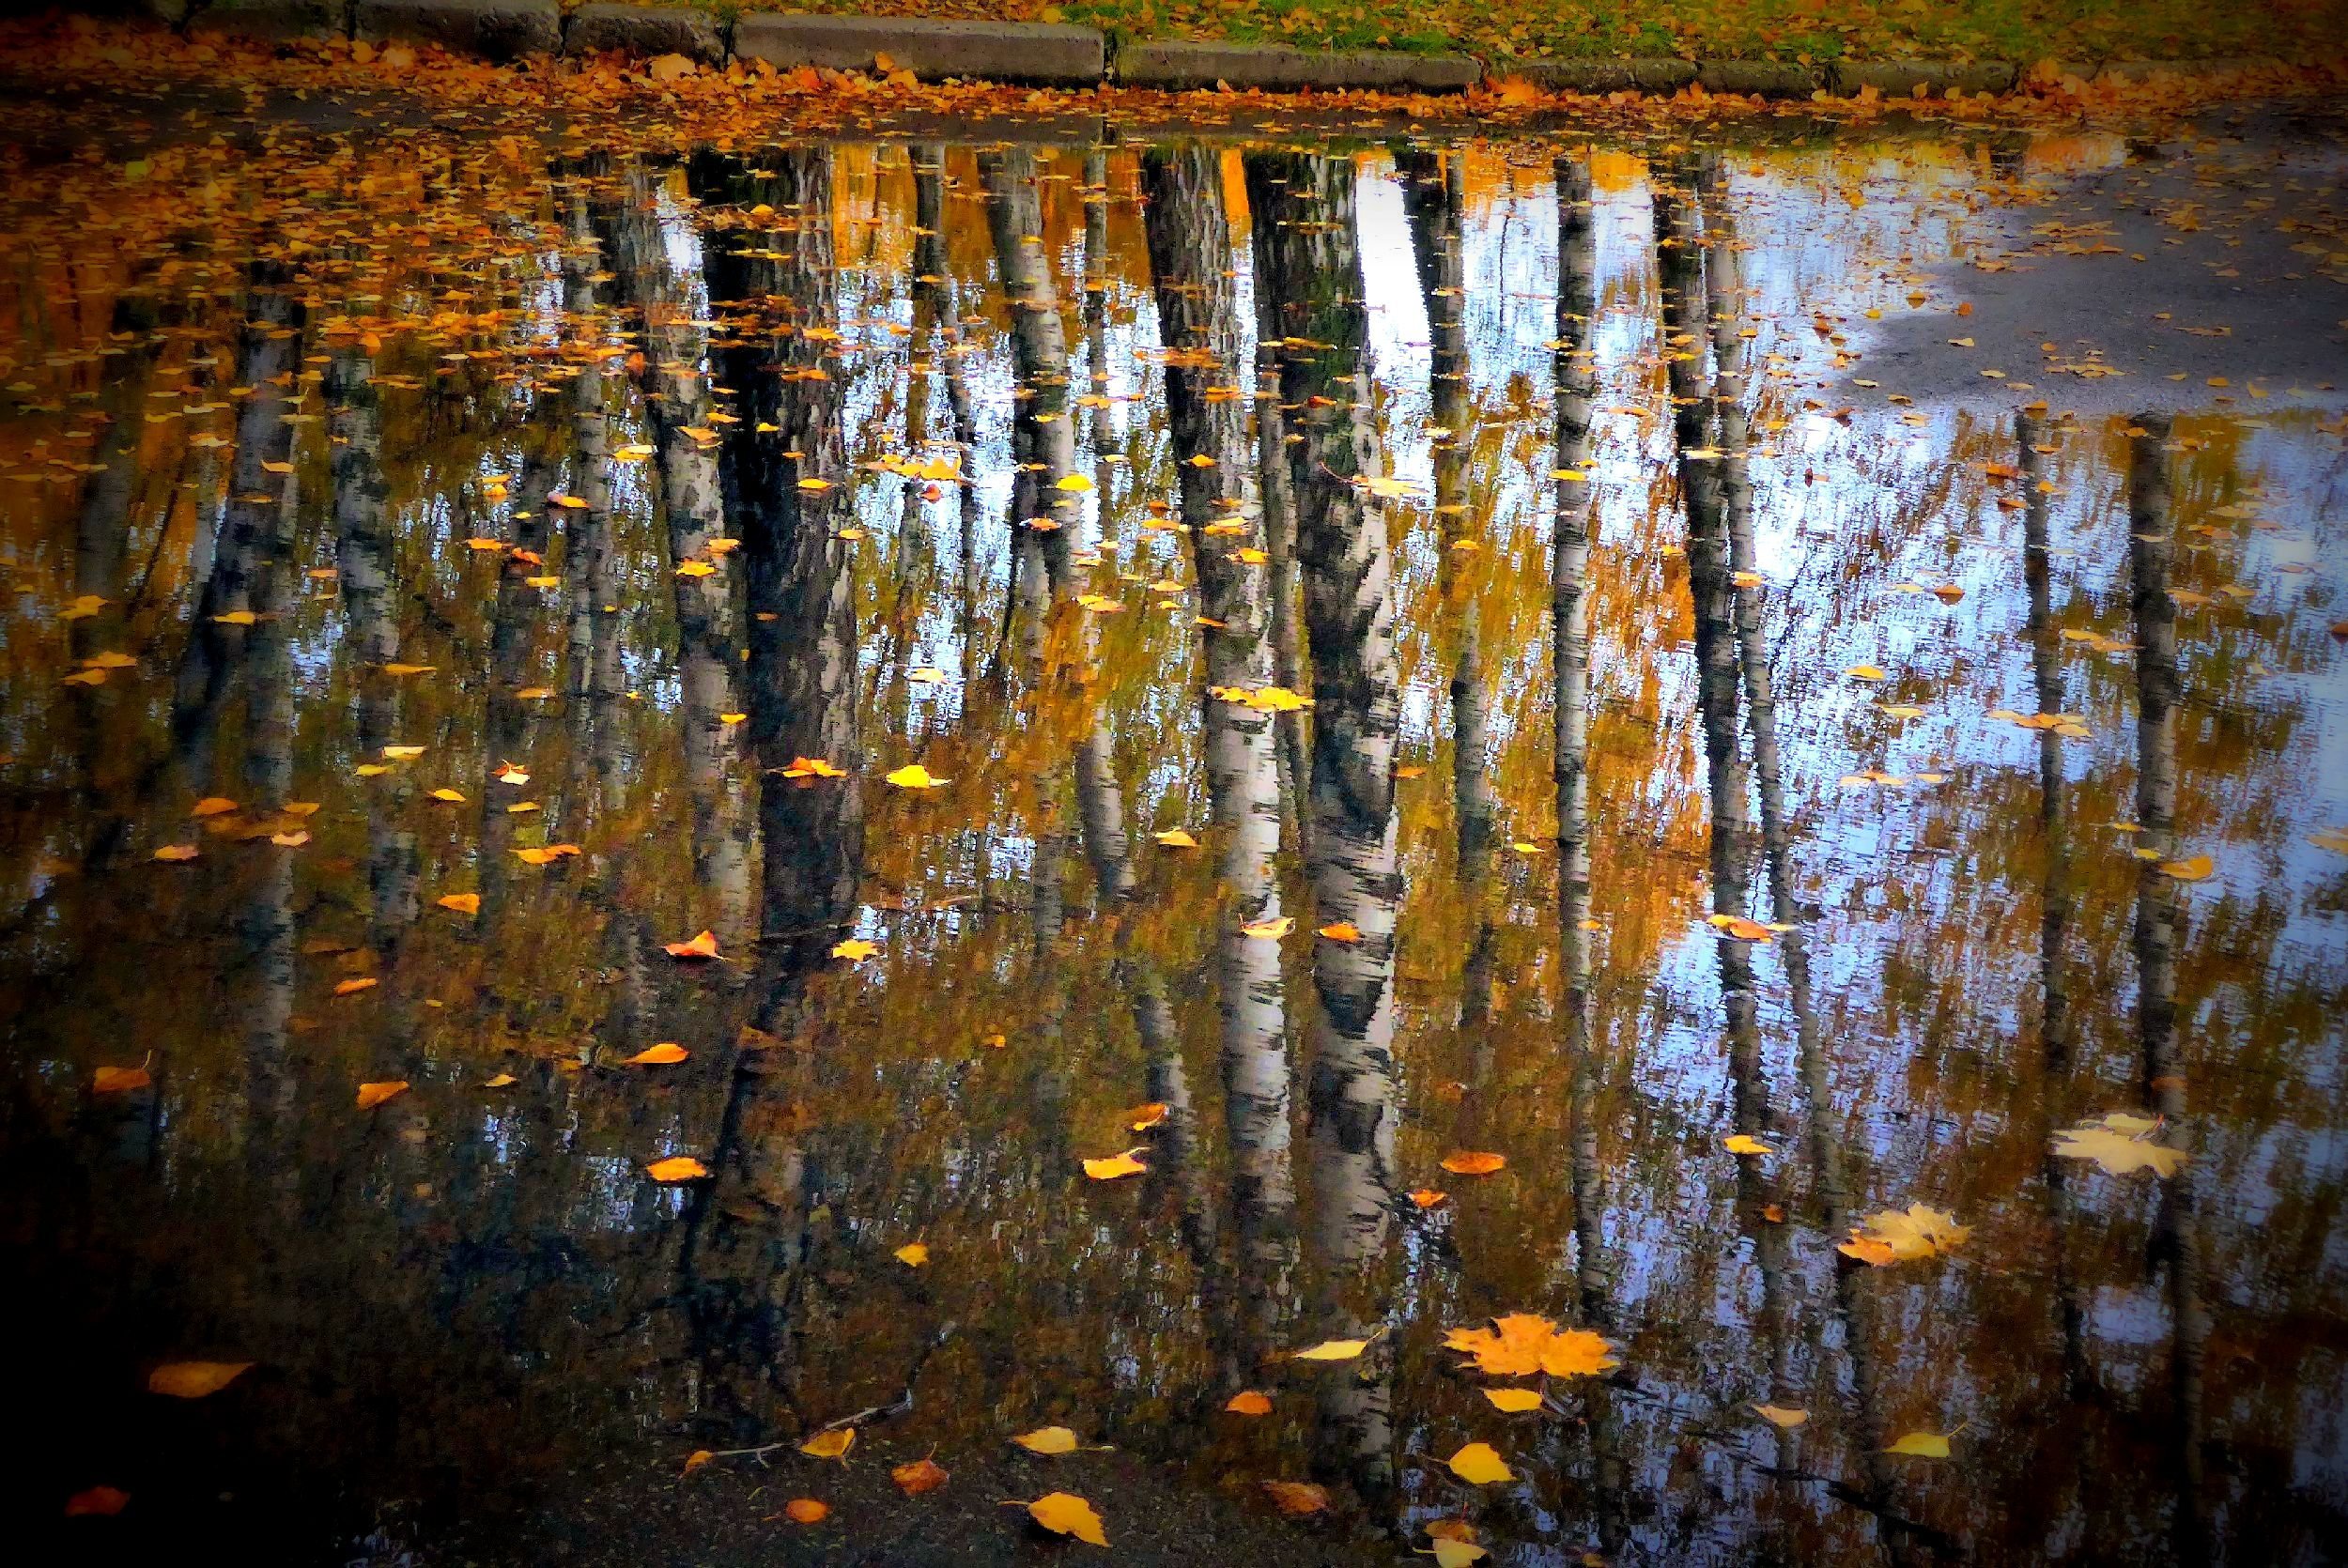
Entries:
{"x":449,"y":578}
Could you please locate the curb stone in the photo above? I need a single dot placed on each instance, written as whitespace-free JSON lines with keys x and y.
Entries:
{"x":498,"y":30}
{"x":1185,"y":64}
{"x":274,"y":19}
{"x":646,"y":30}
{"x":998,"y":50}
{"x":1600,"y":76}
{"x":1901,"y":78}
{"x":1759,"y":78}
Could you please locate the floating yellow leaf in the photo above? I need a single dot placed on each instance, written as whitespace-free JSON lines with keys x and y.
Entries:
{"x":453,"y":796}
{"x":1066,"y":1514}
{"x":1271,"y":930}
{"x":1250,"y":1402}
{"x":1076,"y":484}
{"x":2118,"y":1143}
{"x":1522,"y":1342}
{"x":194,"y":1379}
{"x":703,"y":945}
{"x":913,"y":775}
{"x":212,"y":806}
{"x":238,"y":617}
{"x":1115,"y":1165}
{"x":677,"y":1167}
{"x":921,"y":1475}
{"x":402,"y":753}
{"x":855,"y":948}
{"x":502,"y":1081}
{"x":832,"y":1444}
{"x":352,"y":986}
{"x":1428,"y":1197}
{"x":1450,"y":1553}
{"x":1047,"y":1440}
{"x":1175,"y":838}
{"x":695,"y":569}
{"x":913,"y":1255}
{"x":373,"y":1095}
{"x":813,"y":767}
{"x":1896,"y":1235}
{"x":1923,"y":1445}
{"x":1779,"y":1415}
{"x":1144,"y":1117}
{"x":2197,"y":868}
{"x":1332,"y":1350}
{"x":1864,"y":672}
{"x":409,"y":669}
{"x":1741,"y":1144}
{"x":656,"y":1055}
{"x":463,"y":903}
{"x":1472,"y":1162}
{"x":176,"y":851}
{"x":1480,"y":1465}
{"x":1342,"y":931}
{"x":1514,"y":1401}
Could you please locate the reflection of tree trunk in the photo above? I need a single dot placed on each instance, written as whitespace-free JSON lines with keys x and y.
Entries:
{"x":680,"y":408}
{"x":1096,"y":283}
{"x":1434,"y":194}
{"x":596,"y":681}
{"x":2159,"y":916}
{"x":749,"y":1231}
{"x":1757,"y":1189}
{"x":2056,"y":901}
{"x":365,"y":579}
{"x":268,"y":352}
{"x":1044,"y":438}
{"x":1189,"y":242}
{"x":932,"y":274}
{"x":1279,"y":528}
{"x":1570,"y":653}
{"x":1309,"y":262}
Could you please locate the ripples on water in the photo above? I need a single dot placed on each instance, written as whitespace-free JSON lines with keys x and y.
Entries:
{"x":437,"y":568}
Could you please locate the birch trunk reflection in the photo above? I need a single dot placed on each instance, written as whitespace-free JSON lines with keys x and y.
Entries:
{"x":1308,"y":263}
{"x":2159,"y":920}
{"x":1189,"y":242}
{"x":750,"y":1239}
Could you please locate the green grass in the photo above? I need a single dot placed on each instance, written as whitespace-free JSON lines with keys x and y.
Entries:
{"x":2020,"y":30}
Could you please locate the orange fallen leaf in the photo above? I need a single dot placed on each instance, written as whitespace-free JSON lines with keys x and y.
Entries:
{"x":373,"y":1095}
{"x":1428,"y":1197}
{"x":1472,"y":1162}
{"x":656,"y":1055}
{"x":695,"y":1460}
{"x":97,"y":1503}
{"x":703,"y":946}
{"x":356,"y":984}
{"x":807,"y":1511}
{"x":921,"y":1475}
{"x":1341,"y":930}
{"x":1522,"y":1342}
{"x":1297,"y":1497}
{"x":1249,"y":1402}
{"x":463,"y":903}
{"x":194,"y":1379}
{"x":173,"y":852}
{"x":1115,"y":1165}
{"x":115,"y":1081}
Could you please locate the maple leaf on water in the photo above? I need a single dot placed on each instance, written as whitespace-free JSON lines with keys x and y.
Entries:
{"x":1896,"y":1235}
{"x":2119,"y":1142}
{"x":1523,"y":1343}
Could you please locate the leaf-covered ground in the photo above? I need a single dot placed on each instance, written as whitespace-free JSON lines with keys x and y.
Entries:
{"x":2023,"y":30}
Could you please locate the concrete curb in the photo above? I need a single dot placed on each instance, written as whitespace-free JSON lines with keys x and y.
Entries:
{"x":1065,"y":56}
{"x":997,"y":51}
{"x":275,"y":18}
{"x":646,"y":30}
{"x":1599,"y":76}
{"x":1901,"y":78}
{"x":1179,"y":63}
{"x":498,"y":29}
